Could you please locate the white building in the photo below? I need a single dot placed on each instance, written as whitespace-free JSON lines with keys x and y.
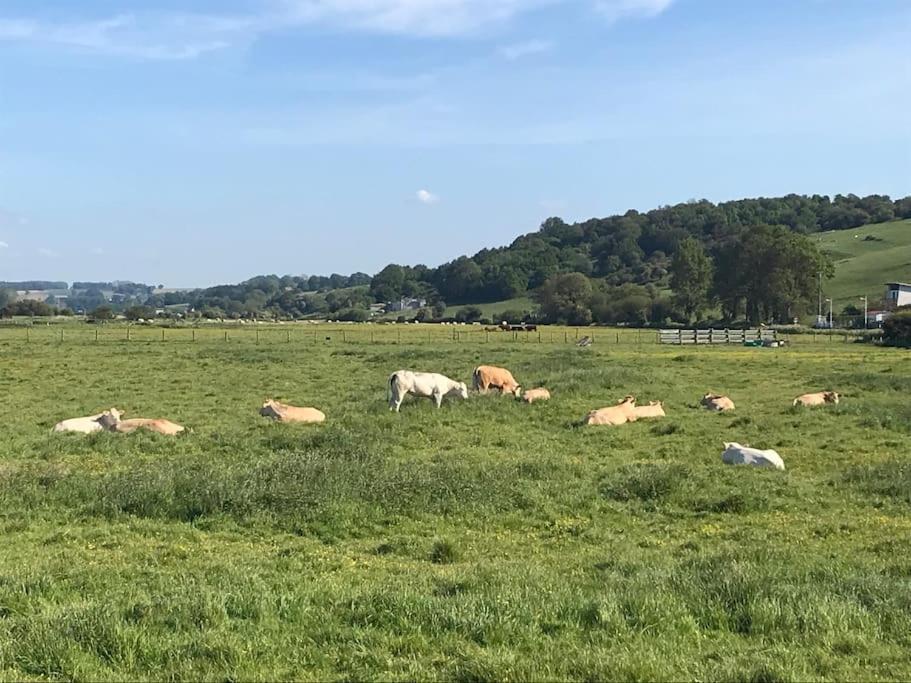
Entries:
{"x":898,"y":294}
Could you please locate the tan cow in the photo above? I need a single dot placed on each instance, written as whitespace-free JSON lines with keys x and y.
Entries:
{"x":717,"y":402}
{"x":285,"y":413}
{"x":817,"y":399}
{"x":619,"y":414}
{"x":486,"y":376}
{"x":653,"y":409}
{"x":113,"y":423}
{"x":533,"y":395}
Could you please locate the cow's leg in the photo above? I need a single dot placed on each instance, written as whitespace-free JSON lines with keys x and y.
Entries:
{"x":438,"y":397}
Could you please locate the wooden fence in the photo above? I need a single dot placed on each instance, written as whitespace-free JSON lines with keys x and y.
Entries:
{"x":715,"y":336}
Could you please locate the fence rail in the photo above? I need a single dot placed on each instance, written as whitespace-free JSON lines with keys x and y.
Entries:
{"x":713,"y":336}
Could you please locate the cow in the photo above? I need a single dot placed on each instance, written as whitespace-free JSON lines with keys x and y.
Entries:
{"x":426,"y":384}
{"x":653,"y":409}
{"x":285,"y":413}
{"x":619,"y":414}
{"x":486,"y":376}
{"x":717,"y":402}
{"x":533,"y":395}
{"x":817,"y":399}
{"x":113,"y":423}
{"x":735,"y":454}
{"x":85,"y":425}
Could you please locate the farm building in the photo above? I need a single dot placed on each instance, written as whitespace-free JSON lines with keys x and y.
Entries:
{"x":405,"y":304}
{"x":898,"y":294}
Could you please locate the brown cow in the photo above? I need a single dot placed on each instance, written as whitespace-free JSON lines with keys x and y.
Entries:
{"x":619,"y":414}
{"x":717,"y":402}
{"x":817,"y":399}
{"x":533,"y":395}
{"x":286,"y":413}
{"x":113,"y":423}
{"x":486,"y":376}
{"x":653,"y":409}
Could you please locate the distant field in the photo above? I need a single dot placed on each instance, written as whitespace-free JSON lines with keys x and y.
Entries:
{"x":522,"y":303}
{"x":863,"y":266}
{"x":488,"y":540}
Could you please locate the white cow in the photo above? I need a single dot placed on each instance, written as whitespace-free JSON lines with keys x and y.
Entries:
{"x":735,"y":454}
{"x":426,"y":384}
{"x":85,"y":425}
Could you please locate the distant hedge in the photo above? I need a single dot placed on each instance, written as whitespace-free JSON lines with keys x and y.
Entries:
{"x":897,"y":329}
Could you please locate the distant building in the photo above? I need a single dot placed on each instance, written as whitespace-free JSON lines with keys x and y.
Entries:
{"x":875,"y":318}
{"x":897,"y":294}
{"x":406,"y":304}
{"x":377,"y":309}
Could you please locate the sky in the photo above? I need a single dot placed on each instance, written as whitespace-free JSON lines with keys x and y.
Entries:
{"x":195,"y":142}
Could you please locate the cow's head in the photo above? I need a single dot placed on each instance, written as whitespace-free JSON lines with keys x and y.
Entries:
{"x":109,"y":418}
{"x":461,"y":389}
{"x":831,"y":397}
{"x":517,"y":391}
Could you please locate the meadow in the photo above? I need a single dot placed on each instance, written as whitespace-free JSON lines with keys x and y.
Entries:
{"x":489,"y":540}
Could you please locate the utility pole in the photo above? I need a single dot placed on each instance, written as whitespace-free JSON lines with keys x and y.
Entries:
{"x":864,"y":299}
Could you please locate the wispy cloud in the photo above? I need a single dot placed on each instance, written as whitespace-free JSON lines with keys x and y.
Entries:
{"x":427,"y":197}
{"x":12,"y":219}
{"x":185,"y":35}
{"x":96,"y":251}
{"x":616,"y":10}
{"x":4,"y":245}
{"x":49,"y":253}
{"x":524,"y":49}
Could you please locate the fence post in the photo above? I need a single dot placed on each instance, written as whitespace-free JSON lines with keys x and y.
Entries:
{"x":487,"y":335}
{"x":128,"y":333}
{"x":61,"y":335}
{"x":618,"y":337}
{"x":28,"y":334}
{"x":162,"y":334}
{"x":194,"y":335}
{"x":565,"y":336}
{"x":96,"y":335}
{"x":539,"y":336}
{"x":257,"y":336}
{"x":288,"y":336}
{"x":399,"y":332}
{"x":226,"y":335}
{"x":344,"y":335}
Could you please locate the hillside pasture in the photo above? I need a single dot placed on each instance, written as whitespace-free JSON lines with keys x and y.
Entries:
{"x":489,"y":540}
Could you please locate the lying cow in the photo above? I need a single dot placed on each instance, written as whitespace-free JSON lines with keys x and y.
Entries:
{"x":113,"y":423}
{"x":623,"y":412}
{"x":85,"y":425}
{"x":717,"y":402}
{"x":817,"y":399}
{"x":533,"y":395}
{"x":426,"y":384}
{"x":735,"y":454}
{"x":653,"y":409}
{"x":486,"y":377}
{"x":285,"y":413}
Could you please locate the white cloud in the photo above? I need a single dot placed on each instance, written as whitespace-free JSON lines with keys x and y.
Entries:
{"x":529,"y":47}
{"x":616,"y":10}
{"x":96,"y":251}
{"x":166,"y":35}
{"x":427,"y":197}
{"x":49,"y":253}
{"x":4,"y":245}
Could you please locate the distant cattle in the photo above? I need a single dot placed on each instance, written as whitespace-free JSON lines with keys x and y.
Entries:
{"x":735,"y":454}
{"x":717,"y":402}
{"x":619,"y":414}
{"x":486,"y":377}
{"x":653,"y":409}
{"x":424,"y":384}
{"x":113,"y":423}
{"x":817,"y":399}
{"x":85,"y":425}
{"x":533,"y":395}
{"x":285,"y":413}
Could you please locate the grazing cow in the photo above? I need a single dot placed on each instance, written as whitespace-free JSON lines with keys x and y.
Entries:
{"x":426,"y":384}
{"x":653,"y":409}
{"x":533,"y":395}
{"x":619,"y":414}
{"x":735,"y":454}
{"x":486,"y":376}
{"x":817,"y":399}
{"x":113,"y":423}
{"x":85,"y":425}
{"x":285,"y":413}
{"x":717,"y":402}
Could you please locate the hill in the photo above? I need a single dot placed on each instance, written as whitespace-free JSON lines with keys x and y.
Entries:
{"x":865,"y":259}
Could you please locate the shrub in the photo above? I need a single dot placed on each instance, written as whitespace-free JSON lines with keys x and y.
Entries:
{"x":357,"y":315}
{"x":897,"y":329}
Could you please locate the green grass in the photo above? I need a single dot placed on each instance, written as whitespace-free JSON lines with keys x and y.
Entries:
{"x":522,"y":303}
{"x":488,"y":540}
{"x":863,"y":266}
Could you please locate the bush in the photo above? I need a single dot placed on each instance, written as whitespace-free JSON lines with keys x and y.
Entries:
{"x":357,"y":315}
{"x":469,"y":314}
{"x":897,"y":329}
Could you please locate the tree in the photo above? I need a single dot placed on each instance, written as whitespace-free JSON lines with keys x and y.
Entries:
{"x":102,"y":313}
{"x":566,"y":299}
{"x":691,"y":278}
{"x":388,"y":284}
{"x":439,"y":309}
{"x":897,"y":328}
{"x":469,"y":314}
{"x":7,"y":296}
{"x":138,"y":313}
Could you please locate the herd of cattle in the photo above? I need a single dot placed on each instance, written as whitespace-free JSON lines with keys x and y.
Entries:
{"x":436,"y":386}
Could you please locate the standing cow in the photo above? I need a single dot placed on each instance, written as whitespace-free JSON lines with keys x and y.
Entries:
{"x":426,"y":384}
{"x":486,"y":376}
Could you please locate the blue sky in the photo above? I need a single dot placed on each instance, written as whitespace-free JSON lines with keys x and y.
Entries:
{"x":190,"y":142}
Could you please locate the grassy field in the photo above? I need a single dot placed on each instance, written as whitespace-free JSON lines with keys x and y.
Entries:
{"x":865,"y":259}
{"x":488,"y":540}
{"x":522,"y":303}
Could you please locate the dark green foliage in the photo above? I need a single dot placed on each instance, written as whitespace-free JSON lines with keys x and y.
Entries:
{"x":897,"y":329}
